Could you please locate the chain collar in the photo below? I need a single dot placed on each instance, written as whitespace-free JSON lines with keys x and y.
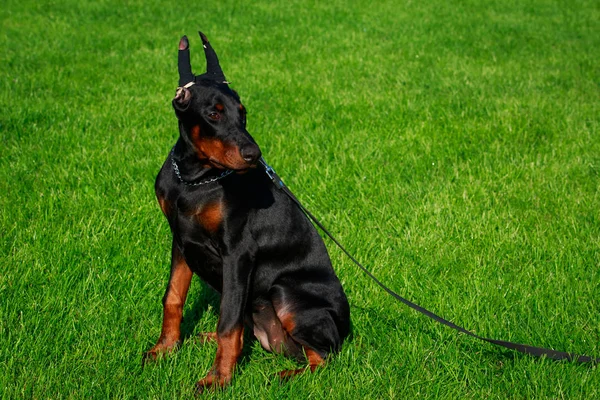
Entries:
{"x":198,"y":183}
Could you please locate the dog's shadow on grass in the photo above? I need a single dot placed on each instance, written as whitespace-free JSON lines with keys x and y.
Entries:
{"x":204,"y":300}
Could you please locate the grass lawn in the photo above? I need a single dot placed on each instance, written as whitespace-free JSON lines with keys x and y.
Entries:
{"x":452,"y":146}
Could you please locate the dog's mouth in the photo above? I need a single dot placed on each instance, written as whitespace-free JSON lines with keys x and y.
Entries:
{"x":226,"y":155}
{"x":238,"y":169}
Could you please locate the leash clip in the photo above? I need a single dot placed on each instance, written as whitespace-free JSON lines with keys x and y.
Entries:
{"x":271,"y":174}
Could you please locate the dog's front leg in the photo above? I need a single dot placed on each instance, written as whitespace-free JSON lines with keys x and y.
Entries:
{"x":237,"y":269}
{"x":173,"y":301}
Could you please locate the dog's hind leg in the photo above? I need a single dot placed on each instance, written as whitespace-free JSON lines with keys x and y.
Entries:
{"x":269,"y":332}
{"x":314,"y":361}
{"x":313,"y":330}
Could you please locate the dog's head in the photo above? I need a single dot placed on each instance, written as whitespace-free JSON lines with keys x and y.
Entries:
{"x":211,"y":116}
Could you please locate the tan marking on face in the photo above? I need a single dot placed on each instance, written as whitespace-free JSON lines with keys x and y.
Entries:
{"x":195,"y":136}
{"x":219,"y":107}
{"x":196,"y":132}
{"x":211,"y":149}
{"x":225,"y":154}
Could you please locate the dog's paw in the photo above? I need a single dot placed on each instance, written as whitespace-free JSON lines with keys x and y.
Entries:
{"x":207,"y":337}
{"x":150,"y":356}
{"x":158,"y":351}
{"x":212,"y":381}
{"x":290,"y":373}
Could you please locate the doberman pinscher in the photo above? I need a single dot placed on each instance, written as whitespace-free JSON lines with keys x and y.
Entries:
{"x":241,"y":235}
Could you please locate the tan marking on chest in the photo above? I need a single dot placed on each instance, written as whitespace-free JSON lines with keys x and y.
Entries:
{"x":165,"y":206}
{"x":210,"y":216}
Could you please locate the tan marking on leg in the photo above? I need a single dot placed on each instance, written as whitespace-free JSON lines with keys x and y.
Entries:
{"x":230,"y":348}
{"x":287,"y":317}
{"x":179,"y":283}
{"x":207,"y":337}
{"x":228,"y":351}
{"x":314,"y":361}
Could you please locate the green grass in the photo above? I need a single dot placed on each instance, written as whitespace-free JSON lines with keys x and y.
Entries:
{"x":454,"y":147}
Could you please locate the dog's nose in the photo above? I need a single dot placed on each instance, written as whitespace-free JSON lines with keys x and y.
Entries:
{"x":250,"y":153}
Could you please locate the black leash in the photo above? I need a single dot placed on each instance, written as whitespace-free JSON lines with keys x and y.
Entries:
{"x":523,"y":348}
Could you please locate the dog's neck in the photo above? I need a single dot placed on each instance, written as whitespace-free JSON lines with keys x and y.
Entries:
{"x":190,"y":170}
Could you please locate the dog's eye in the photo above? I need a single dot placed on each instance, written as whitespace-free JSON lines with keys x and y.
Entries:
{"x":214,"y":116}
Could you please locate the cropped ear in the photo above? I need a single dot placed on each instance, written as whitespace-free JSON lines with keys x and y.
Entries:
{"x":182,"y":99}
{"x":213,"y":68}
{"x":183,"y":62}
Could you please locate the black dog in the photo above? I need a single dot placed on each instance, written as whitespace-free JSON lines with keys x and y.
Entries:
{"x":241,"y":235}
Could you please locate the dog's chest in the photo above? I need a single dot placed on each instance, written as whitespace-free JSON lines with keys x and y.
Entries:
{"x":209,"y":216}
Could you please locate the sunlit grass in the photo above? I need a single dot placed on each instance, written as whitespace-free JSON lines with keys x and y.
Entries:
{"x":454,"y":147}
